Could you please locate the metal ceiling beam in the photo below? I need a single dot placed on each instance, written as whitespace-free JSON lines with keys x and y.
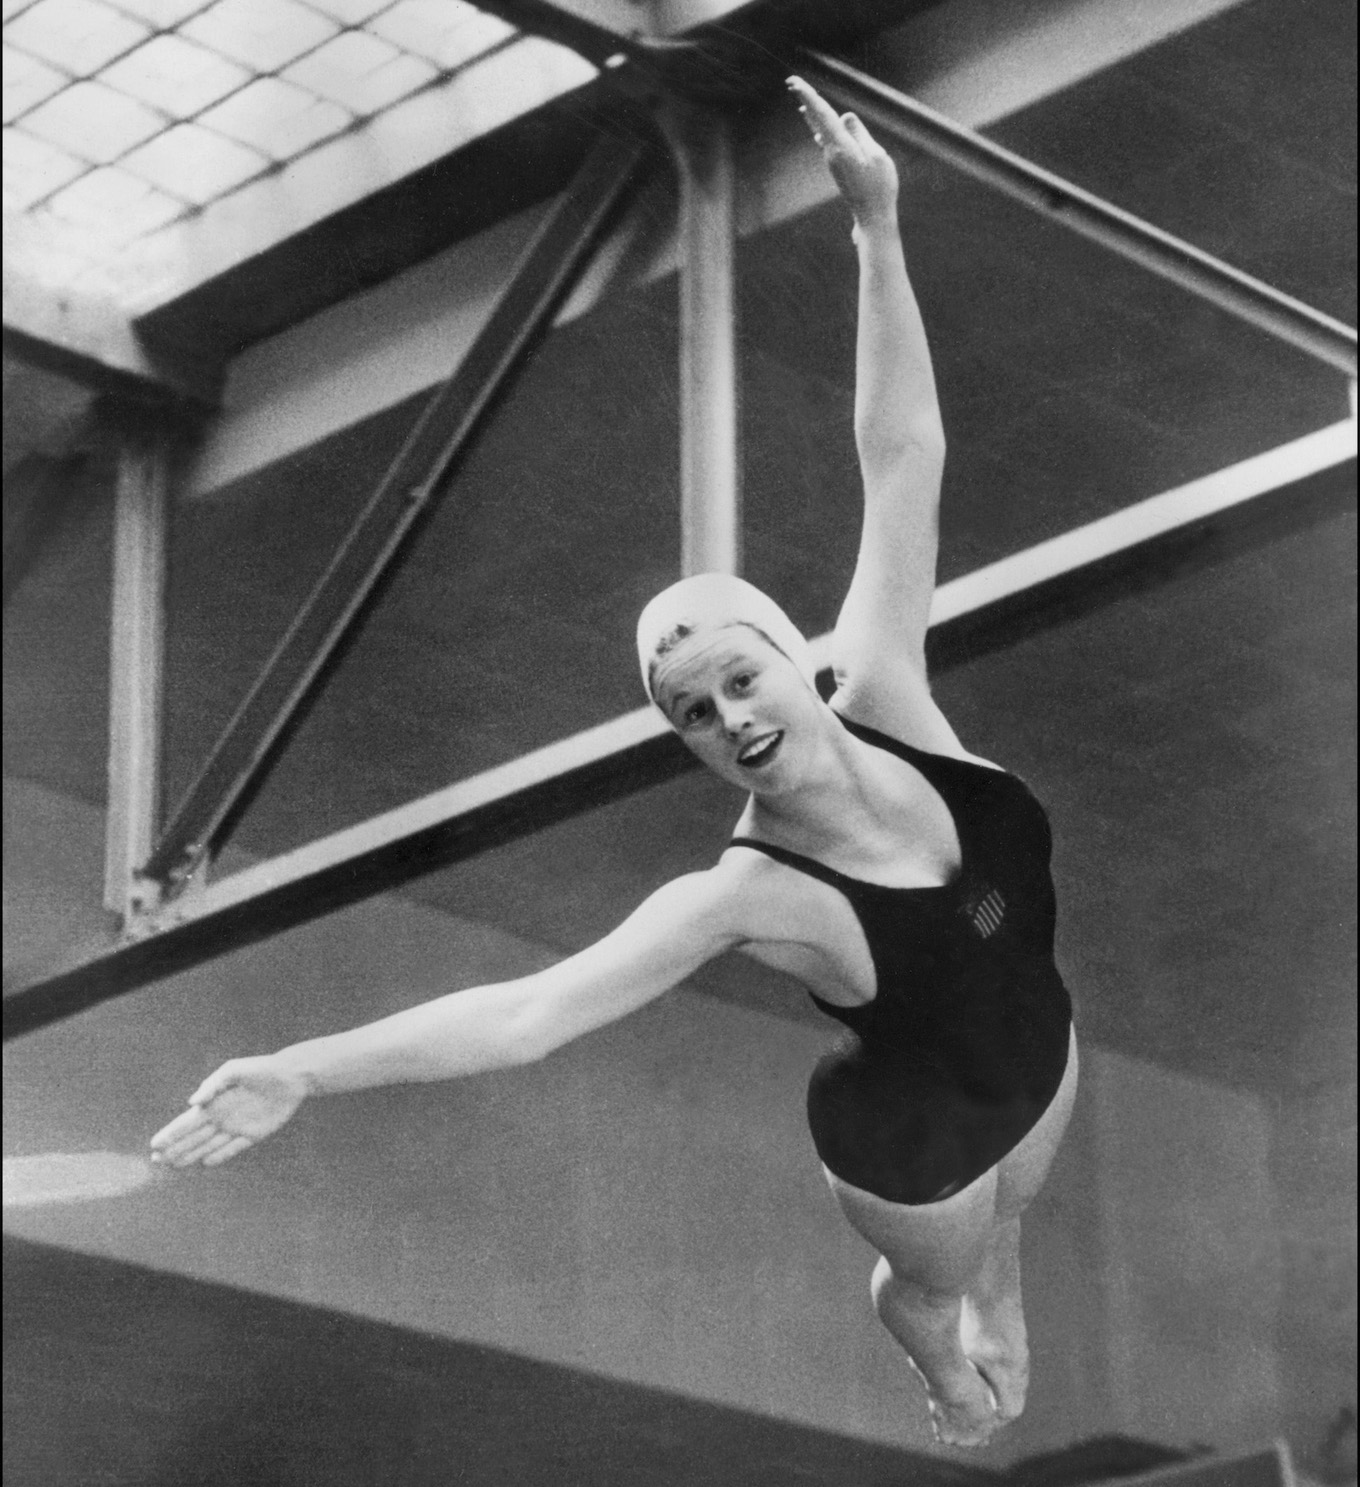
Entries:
{"x":420,"y":475}
{"x":1082,"y":570}
{"x":912,"y":123}
{"x":92,"y":342}
{"x":591,"y":37}
{"x":598,"y":28}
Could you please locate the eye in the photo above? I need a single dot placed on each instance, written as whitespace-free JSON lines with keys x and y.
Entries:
{"x":743,"y":679}
{"x":696,"y":712}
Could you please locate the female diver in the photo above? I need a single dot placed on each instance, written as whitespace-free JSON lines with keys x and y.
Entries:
{"x":903,"y":881}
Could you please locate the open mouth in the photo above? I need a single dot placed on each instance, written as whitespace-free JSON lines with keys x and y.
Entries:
{"x":758,"y":754}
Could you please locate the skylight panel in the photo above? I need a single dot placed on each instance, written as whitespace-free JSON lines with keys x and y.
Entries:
{"x":279,"y":119}
{"x":349,"y":12}
{"x":113,"y":205}
{"x":162,"y":15}
{"x":446,"y":32}
{"x":532,"y":67}
{"x":127,"y":121}
{"x":80,"y":36}
{"x":28,"y":82}
{"x":34,"y":169}
{"x":93,"y":122}
{"x":264,"y":34}
{"x":193,"y":163}
{"x":46,"y":252}
{"x":363,"y":72}
{"x":175,"y":76}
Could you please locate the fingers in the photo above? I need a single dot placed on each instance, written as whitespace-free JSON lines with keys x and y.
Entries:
{"x":210,"y":1148}
{"x":187,"y":1138}
{"x":203,"y":1132}
{"x":214,"y":1084}
{"x":829,"y":130}
{"x":226,"y":1152}
{"x":859,"y":132}
{"x":195,"y":1137}
{"x":844,"y":133}
{"x":191,"y":1122}
{"x":193,"y":1148}
{"x":191,"y":1152}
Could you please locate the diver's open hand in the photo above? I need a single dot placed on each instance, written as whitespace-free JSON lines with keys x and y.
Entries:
{"x":246,"y":1100}
{"x":862,"y":169}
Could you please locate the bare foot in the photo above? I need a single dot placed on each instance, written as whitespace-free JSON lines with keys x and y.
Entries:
{"x":994,"y":1343}
{"x":963,"y":1413}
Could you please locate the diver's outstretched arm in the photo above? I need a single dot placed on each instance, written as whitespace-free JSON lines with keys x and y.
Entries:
{"x":879,"y":650}
{"x":672,"y":933}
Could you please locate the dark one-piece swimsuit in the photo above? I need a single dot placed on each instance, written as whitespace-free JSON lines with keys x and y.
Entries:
{"x":965,"y":1043}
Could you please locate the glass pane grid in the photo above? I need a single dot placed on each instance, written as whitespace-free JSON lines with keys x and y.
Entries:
{"x":361,"y":72}
{"x":79,"y":36}
{"x":263,"y":34}
{"x":122,"y":116}
{"x":113,"y":204}
{"x":175,"y":76}
{"x":278,"y":118}
{"x":162,"y":15}
{"x":28,"y":82}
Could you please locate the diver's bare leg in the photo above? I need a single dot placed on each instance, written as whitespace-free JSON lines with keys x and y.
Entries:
{"x":948,"y":1286}
{"x":994,"y":1336}
{"x":928,"y":1325}
{"x":931,"y":1255}
{"x":993,"y":1322}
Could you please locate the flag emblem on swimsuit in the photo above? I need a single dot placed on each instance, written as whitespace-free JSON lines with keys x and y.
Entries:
{"x":987,"y":912}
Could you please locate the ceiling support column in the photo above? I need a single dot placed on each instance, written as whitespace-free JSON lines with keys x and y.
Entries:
{"x":710,"y":471}
{"x":136,"y":656}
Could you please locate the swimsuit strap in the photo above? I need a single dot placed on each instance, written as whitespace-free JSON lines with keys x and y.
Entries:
{"x":887,"y":742}
{"x":958,"y":782}
{"x":919,"y":759}
{"x":789,"y":858}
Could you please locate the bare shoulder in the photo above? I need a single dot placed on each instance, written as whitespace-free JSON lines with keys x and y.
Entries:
{"x":749,"y":881}
{"x":771,"y":902}
{"x":733,"y":901}
{"x":897,"y":700}
{"x":900,"y":705}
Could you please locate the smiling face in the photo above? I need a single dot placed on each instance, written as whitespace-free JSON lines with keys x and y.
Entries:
{"x":739,"y":704}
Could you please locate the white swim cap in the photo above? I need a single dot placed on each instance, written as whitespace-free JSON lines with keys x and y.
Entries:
{"x":712,"y":601}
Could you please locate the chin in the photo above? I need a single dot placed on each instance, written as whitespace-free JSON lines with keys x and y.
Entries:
{"x":778,"y":782}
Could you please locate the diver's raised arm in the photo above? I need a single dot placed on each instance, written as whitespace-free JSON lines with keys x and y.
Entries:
{"x":879,"y":644}
{"x":673,"y":932}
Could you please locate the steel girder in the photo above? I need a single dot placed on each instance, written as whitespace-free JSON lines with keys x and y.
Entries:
{"x":420,"y":474}
{"x":93,"y":342}
{"x":1083,"y":570}
{"x":1077,"y":210}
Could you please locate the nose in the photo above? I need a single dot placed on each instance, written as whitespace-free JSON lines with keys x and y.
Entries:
{"x":735,"y":716}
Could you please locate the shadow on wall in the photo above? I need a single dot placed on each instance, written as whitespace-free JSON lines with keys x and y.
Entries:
{"x":122,"y":1376}
{"x":119,"y":1375}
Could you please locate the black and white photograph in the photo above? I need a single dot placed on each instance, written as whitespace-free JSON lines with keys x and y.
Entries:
{"x":679,"y":743}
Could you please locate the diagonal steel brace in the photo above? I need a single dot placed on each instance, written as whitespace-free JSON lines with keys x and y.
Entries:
{"x":420,"y":475}
{"x":1248,"y":298}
